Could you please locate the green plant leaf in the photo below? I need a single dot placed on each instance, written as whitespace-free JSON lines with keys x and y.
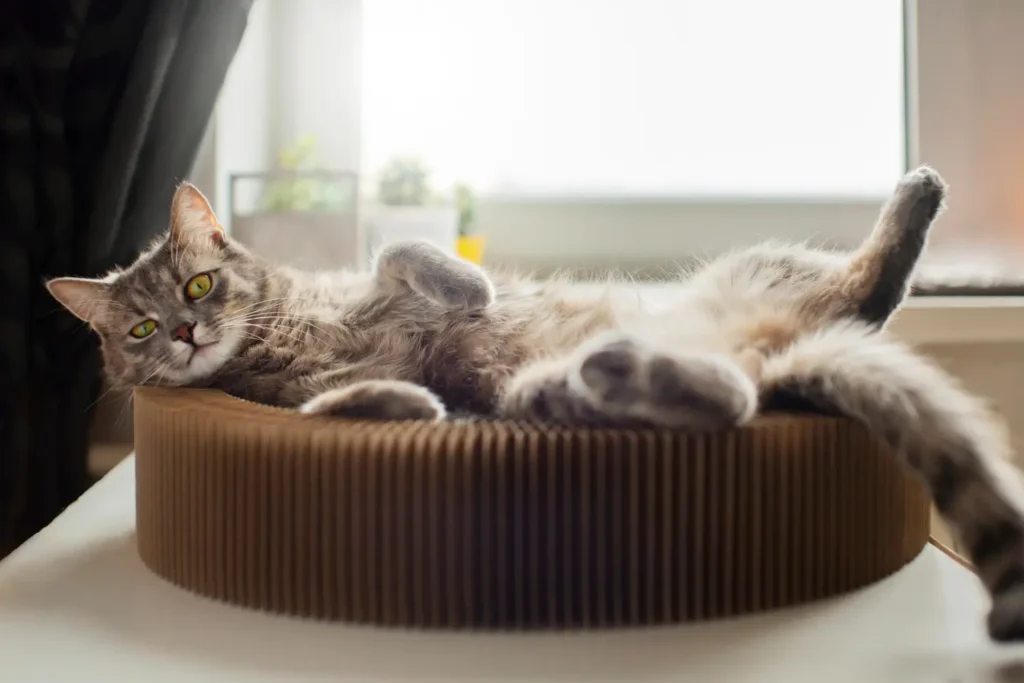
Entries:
{"x":404,"y":182}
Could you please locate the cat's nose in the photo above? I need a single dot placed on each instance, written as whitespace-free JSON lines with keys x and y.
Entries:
{"x":184,"y":333}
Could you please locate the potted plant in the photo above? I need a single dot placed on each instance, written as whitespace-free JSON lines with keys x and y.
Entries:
{"x":302,"y":184}
{"x":470,"y":246}
{"x":304,"y":216}
{"x":408,"y":209}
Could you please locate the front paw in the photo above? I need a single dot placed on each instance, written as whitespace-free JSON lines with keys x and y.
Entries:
{"x":377,"y":400}
{"x":467,"y":293}
{"x":455,"y":284}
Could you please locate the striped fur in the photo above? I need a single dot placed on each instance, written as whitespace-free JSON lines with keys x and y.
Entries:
{"x":939,"y":430}
{"x":424,"y":334}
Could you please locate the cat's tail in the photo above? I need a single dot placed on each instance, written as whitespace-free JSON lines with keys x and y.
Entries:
{"x":879,"y":272}
{"x":943,"y":433}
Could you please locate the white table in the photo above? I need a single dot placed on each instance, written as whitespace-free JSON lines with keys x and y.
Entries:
{"x":76,"y":604}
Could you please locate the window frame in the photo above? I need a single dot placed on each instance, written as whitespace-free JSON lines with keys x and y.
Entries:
{"x":652,"y":237}
{"x":959,"y":56}
{"x":959,"y":117}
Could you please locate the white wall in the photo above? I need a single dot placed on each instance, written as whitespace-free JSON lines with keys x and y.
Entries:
{"x":967,"y":61}
{"x":242,"y":120}
{"x":315,"y":85}
{"x":296,"y":73}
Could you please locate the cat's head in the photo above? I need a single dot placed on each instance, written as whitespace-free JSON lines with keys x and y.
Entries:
{"x":174,"y":316}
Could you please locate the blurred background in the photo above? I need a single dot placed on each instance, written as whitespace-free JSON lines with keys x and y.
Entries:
{"x":602,"y":133}
{"x":582,"y":135}
{"x":586,"y":133}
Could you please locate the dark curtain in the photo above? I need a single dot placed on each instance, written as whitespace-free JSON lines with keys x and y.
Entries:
{"x":103,"y":104}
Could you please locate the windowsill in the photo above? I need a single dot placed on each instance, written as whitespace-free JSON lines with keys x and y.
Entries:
{"x":961,"y":320}
{"x":652,"y":238}
{"x":933,"y":319}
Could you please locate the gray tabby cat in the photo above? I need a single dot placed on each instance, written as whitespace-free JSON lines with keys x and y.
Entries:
{"x":424,"y":333}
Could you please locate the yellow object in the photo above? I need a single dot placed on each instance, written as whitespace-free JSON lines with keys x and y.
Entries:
{"x":144,"y":329}
{"x":199,"y":286}
{"x":471,"y":248}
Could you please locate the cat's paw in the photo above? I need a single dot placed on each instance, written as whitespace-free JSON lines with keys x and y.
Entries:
{"x":922,"y":187}
{"x":923,"y":179}
{"x":462,"y":292}
{"x":377,"y":400}
{"x":541,"y":393}
{"x":1006,"y":619}
{"x":455,"y":284}
{"x":625,"y":379}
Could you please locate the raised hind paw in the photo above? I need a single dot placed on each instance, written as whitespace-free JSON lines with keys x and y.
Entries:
{"x":377,"y":400}
{"x":922,"y":182}
{"x":616,"y":380}
{"x":625,"y":379}
{"x":916,"y":201}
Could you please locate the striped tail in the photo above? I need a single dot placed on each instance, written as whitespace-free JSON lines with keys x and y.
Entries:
{"x":940,"y":431}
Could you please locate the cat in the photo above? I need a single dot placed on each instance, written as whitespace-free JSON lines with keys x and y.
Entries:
{"x":424,"y":333}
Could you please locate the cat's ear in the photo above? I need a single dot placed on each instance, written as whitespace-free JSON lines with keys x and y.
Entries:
{"x":82,"y":296}
{"x":192,"y":217}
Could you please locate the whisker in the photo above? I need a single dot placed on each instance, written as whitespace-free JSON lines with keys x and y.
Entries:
{"x":274,"y":300}
{"x":244,"y":328}
{"x":99,"y":398}
{"x":300,"y":326}
{"x":112,"y":386}
{"x":123,"y":412}
{"x":285,"y":331}
{"x":131,"y":395}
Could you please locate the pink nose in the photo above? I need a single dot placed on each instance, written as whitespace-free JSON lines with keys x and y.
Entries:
{"x":184,"y":332}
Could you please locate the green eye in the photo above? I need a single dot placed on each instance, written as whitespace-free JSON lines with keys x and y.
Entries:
{"x":199,"y":286}
{"x":143,"y":329}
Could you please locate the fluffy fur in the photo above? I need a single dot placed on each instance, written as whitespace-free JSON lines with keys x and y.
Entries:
{"x":424,"y":333}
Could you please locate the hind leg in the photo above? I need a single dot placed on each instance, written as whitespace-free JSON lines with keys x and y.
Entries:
{"x":877,"y":278}
{"x":617,"y":380}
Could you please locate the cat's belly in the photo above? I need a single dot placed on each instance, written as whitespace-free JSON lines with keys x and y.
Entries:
{"x":717,"y":322}
{"x":467,"y":365}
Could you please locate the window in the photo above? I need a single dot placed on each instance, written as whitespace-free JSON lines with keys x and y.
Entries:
{"x":640,"y":98}
{"x":638,"y":133}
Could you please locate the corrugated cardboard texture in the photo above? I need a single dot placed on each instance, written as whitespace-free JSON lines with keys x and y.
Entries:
{"x":496,"y":525}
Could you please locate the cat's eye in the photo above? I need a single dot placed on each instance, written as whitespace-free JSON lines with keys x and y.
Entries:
{"x":199,"y":286}
{"x":143,"y":329}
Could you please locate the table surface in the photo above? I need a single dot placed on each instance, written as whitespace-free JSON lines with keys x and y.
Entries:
{"x":76,"y":603}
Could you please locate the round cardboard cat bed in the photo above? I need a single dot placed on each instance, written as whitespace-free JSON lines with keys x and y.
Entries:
{"x":498,"y":525}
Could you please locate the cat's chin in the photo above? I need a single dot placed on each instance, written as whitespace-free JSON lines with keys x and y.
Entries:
{"x":204,"y":361}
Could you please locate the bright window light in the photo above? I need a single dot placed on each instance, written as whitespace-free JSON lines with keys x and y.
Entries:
{"x":639,"y":98}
